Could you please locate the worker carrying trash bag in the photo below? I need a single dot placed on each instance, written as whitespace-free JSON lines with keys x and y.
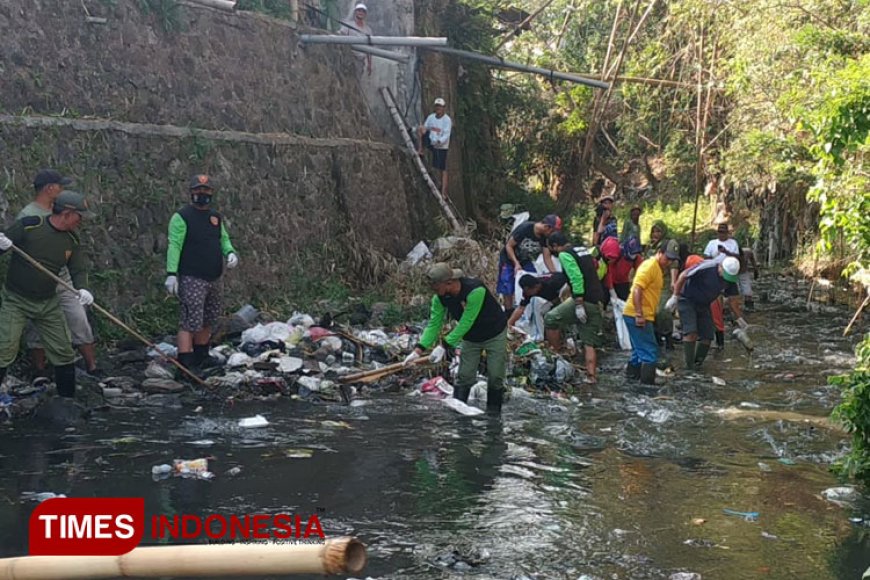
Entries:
{"x":482,"y":327}
{"x":696,"y":288}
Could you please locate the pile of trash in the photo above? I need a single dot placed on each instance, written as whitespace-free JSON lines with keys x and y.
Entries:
{"x":265,"y":361}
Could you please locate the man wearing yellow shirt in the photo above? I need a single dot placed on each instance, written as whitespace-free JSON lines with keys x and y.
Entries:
{"x":640,"y":312}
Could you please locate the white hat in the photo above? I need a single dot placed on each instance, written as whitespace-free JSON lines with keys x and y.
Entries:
{"x":440,"y":101}
{"x":360,"y":6}
{"x":731,"y":266}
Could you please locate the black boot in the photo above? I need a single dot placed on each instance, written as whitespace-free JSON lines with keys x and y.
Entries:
{"x":720,"y":340}
{"x":201,"y":358}
{"x":648,"y":373}
{"x":462,"y":393}
{"x":200,"y":353}
{"x":2,"y":374}
{"x":632,"y":371}
{"x":188,"y":361}
{"x":689,"y":350}
{"x":65,"y":380}
{"x":701,"y":354}
{"x":494,"y":399}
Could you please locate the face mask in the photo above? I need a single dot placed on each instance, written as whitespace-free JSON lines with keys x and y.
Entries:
{"x":200,"y":199}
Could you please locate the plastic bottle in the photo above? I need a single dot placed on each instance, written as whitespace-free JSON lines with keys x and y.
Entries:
{"x":190,"y":466}
{"x":743,"y":338}
{"x":248,"y":314}
{"x":160,"y":469}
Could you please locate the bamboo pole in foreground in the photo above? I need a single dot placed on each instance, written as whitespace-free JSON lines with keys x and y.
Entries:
{"x":335,"y":556}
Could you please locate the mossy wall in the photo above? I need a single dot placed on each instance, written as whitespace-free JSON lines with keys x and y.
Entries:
{"x":301,"y":168}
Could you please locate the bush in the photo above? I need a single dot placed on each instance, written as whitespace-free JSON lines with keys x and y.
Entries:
{"x":854,"y":413}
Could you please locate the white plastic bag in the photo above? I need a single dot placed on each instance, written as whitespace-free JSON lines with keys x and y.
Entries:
{"x":621,"y":328}
{"x":419,"y":253}
{"x":274,"y":331}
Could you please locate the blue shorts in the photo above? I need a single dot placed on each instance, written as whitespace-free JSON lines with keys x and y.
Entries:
{"x":506,"y":277}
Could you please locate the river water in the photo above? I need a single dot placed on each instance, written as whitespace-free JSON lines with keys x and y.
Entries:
{"x":623,"y":483}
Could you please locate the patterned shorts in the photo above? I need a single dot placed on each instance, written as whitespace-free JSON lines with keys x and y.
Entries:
{"x":200,"y":302}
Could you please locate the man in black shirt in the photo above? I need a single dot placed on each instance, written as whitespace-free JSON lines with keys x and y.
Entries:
{"x":546,"y":288}
{"x":525,"y":244}
{"x":198,"y":242}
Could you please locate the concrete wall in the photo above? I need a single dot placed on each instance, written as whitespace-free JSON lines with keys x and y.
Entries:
{"x":300,"y":162}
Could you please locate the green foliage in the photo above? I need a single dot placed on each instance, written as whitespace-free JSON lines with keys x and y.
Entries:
{"x":168,"y":13}
{"x":854,"y":413}
{"x":840,"y":123}
{"x":276,"y":8}
{"x":677,"y":216}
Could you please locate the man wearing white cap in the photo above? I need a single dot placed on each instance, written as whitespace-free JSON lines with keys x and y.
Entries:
{"x":696,"y":288}
{"x":435,"y":135}
{"x":356,"y":26}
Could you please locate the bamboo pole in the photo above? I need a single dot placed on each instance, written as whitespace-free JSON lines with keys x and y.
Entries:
{"x":372,"y":40}
{"x":400,"y":125}
{"x":508,"y":65}
{"x":105,"y":313}
{"x":376,"y":374}
{"x":387,"y":54}
{"x":334,"y":556}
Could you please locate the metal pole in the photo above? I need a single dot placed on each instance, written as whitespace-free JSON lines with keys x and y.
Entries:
{"x":499,"y":63}
{"x":387,"y":54}
{"x":228,"y":5}
{"x":373,"y":40}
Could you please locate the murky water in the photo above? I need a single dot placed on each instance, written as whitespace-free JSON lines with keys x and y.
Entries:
{"x":629,"y":483}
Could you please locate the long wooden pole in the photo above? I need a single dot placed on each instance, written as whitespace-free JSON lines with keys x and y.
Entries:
{"x":506,"y":64}
{"x":335,"y":556}
{"x":369,"y":376}
{"x":105,"y":313}
{"x":400,"y":125}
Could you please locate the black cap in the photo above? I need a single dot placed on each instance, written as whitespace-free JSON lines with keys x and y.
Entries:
{"x":49,"y":176}
{"x":201,"y":181}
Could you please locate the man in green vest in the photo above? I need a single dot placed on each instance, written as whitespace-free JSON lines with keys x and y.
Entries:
{"x":482,"y":327}
{"x":198,"y":243}
{"x":31,"y":296}
{"x":585,"y":305}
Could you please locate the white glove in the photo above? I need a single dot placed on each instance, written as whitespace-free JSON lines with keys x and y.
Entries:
{"x":85,"y":298}
{"x":5,"y":243}
{"x":437,"y":354}
{"x":580,"y":313}
{"x":232,"y":261}
{"x":411,"y":357}
{"x":171,"y":285}
{"x":671,"y":304}
{"x":741,"y":322}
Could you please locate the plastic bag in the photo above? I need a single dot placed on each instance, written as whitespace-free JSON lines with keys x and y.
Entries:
{"x":621,"y":328}
{"x":274,"y":331}
{"x":419,"y":253}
